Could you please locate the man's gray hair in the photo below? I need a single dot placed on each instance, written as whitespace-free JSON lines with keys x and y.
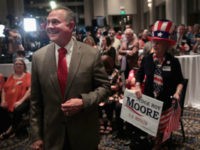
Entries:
{"x":70,"y":15}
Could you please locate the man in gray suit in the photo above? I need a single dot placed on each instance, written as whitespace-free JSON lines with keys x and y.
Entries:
{"x":66,"y":120}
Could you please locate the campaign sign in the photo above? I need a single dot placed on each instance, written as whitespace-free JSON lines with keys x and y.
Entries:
{"x":143,"y":113}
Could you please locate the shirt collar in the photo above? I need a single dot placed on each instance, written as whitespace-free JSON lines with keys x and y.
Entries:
{"x":68,"y":47}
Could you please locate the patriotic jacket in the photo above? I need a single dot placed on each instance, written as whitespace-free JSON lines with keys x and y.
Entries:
{"x":171,"y":74}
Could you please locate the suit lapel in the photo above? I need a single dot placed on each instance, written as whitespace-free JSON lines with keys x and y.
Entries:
{"x":74,"y":65}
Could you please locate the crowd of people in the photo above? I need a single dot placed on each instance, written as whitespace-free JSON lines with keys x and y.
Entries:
{"x":77,"y":81}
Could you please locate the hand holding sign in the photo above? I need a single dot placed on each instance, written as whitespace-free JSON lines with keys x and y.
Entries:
{"x":143,"y":113}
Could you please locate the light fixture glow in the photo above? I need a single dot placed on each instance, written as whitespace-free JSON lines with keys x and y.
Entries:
{"x":30,"y":24}
{"x":2,"y":27}
{"x":53,"y":4}
{"x":149,"y":4}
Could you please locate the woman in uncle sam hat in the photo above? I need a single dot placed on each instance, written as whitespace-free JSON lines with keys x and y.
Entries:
{"x":163,"y":78}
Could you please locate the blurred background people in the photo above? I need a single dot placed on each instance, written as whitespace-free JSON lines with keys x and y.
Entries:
{"x":182,"y":42}
{"x":196,"y":38}
{"x":143,"y":38}
{"x":90,"y":41}
{"x":2,"y":81}
{"x":107,"y":48}
{"x":116,"y":43}
{"x":129,"y":49}
{"x":106,"y":108}
{"x":14,"y":41}
{"x":15,"y":96}
{"x":21,"y":54}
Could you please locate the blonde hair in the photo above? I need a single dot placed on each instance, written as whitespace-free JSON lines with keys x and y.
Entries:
{"x":89,"y":38}
{"x":128,"y":31}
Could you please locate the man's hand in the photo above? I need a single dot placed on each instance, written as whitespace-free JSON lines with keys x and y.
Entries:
{"x":37,"y":145}
{"x":72,"y":106}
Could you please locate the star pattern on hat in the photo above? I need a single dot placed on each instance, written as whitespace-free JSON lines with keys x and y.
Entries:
{"x":160,"y":34}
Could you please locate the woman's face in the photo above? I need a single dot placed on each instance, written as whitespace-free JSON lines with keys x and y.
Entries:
{"x":160,"y":47}
{"x":19,"y":66}
{"x":104,"y":41}
{"x":129,"y":36}
{"x":89,"y":42}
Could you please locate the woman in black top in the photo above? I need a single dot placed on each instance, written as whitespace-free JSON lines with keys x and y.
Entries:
{"x":162,"y":73}
{"x":106,"y":47}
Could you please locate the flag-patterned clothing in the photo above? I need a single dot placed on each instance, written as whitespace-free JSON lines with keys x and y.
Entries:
{"x":158,"y":80}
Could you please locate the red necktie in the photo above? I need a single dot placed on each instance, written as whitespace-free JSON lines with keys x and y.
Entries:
{"x":62,"y":69}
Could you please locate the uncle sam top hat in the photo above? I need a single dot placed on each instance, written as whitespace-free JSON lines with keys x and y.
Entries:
{"x":162,"y":30}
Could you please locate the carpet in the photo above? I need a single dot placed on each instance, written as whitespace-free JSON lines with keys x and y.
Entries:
{"x":191,"y":121}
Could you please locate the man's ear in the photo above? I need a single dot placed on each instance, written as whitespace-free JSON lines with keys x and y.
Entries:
{"x":71,"y":25}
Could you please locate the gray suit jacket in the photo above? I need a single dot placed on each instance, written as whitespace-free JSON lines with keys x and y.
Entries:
{"x":86,"y":78}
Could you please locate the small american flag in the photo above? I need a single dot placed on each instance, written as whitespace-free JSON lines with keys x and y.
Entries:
{"x":170,"y":121}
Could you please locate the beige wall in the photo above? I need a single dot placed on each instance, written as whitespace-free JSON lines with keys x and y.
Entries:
{"x":113,"y":6}
{"x":158,"y":2}
{"x":88,"y":13}
{"x":99,"y":8}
